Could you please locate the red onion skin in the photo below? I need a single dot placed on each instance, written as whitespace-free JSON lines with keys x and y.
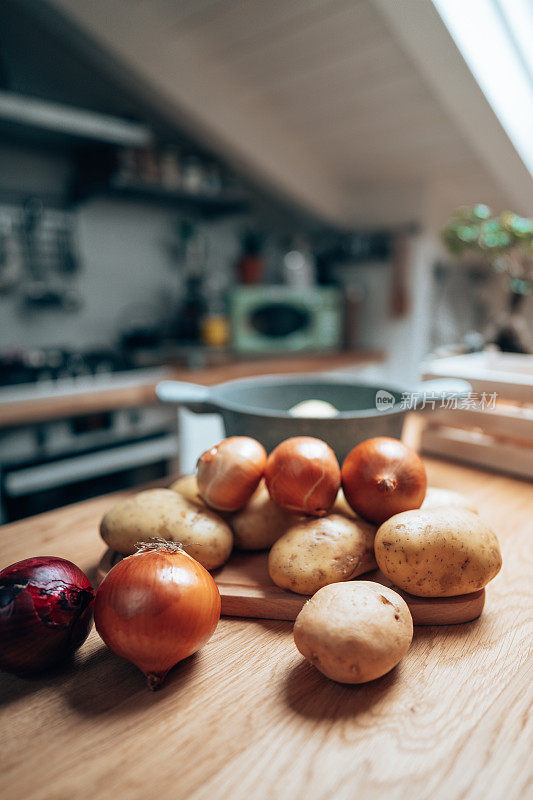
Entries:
{"x":46,"y":613}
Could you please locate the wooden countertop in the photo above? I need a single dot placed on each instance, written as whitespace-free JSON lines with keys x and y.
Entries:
{"x":248,"y":718}
{"x":70,"y":402}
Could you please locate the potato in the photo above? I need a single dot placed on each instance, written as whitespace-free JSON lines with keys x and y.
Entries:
{"x":314,"y":552}
{"x":261,"y":522}
{"x":354,"y":632}
{"x":340,"y":506}
{"x":438,"y":552}
{"x":162,"y":512}
{"x":436,"y":498}
{"x":187,"y":486}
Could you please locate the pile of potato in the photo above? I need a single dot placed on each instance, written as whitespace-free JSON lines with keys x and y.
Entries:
{"x":351,"y":631}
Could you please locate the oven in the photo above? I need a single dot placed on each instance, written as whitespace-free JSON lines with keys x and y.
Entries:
{"x":64,"y":461}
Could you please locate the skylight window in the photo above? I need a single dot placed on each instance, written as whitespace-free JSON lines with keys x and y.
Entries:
{"x":518,"y":16}
{"x":495,"y":38}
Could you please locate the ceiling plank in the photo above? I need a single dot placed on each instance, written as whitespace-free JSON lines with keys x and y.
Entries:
{"x":310,"y":97}
{"x":203,"y":96}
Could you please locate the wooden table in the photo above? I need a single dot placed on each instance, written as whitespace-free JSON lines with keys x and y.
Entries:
{"x":248,"y":718}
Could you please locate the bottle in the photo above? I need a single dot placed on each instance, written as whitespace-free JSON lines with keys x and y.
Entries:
{"x":192,"y":311}
{"x":215,"y":325}
{"x":299,"y":266}
{"x":250,"y":265}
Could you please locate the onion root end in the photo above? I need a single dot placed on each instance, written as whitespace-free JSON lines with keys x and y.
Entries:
{"x":155,"y":680}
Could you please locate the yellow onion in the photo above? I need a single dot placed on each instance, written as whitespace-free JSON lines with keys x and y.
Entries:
{"x":303,"y":476}
{"x":382,"y":477}
{"x":229,"y":473}
{"x":156,"y":608}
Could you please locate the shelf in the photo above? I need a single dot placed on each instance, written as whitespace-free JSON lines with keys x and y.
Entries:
{"x":28,"y":113}
{"x":93,"y":137}
{"x":209,"y":206}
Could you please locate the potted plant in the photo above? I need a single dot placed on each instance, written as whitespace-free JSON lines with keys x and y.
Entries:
{"x":506,"y":243}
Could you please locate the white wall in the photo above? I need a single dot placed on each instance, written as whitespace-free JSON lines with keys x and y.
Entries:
{"x":127,"y":273}
{"x":122,"y":264}
{"x":407,"y":340}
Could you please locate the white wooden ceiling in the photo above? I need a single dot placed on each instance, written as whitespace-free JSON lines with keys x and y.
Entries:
{"x":315,"y":96}
{"x":332,"y":71}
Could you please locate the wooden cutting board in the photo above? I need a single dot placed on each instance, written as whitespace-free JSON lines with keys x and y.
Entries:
{"x":246,"y":590}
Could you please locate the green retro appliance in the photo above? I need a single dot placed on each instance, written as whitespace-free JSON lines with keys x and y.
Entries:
{"x":275,"y":319}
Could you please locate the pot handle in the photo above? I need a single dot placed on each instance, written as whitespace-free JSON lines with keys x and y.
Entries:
{"x":190,"y":395}
{"x":440,"y":389}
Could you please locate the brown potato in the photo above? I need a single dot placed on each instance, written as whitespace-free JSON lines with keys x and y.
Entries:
{"x":260,"y":523}
{"x":340,"y":506}
{"x":187,"y":486}
{"x":315,"y":552}
{"x":438,"y":552}
{"x":437,"y":498}
{"x":167,"y":514}
{"x":354,"y":632}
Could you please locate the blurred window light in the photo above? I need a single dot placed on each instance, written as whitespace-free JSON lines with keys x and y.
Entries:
{"x":495,"y":38}
{"x":518,"y":15}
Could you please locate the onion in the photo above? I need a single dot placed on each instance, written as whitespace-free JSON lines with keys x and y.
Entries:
{"x":382,"y":477}
{"x":229,"y":473}
{"x":303,"y":476}
{"x":156,"y":608}
{"x":46,"y":613}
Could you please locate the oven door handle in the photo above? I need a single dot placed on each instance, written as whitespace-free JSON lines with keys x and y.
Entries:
{"x":71,"y":470}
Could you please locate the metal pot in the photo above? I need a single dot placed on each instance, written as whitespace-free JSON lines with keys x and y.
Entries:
{"x":259,"y":407}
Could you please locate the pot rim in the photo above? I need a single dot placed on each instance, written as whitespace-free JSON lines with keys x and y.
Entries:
{"x":338,"y":380}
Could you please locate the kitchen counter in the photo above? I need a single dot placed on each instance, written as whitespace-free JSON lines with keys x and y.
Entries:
{"x":73,"y":397}
{"x":248,"y":718}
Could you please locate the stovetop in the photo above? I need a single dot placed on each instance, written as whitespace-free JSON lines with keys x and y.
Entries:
{"x":21,"y":367}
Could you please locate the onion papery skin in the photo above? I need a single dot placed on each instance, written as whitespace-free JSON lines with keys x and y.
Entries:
{"x":156,"y":608}
{"x":382,"y":477}
{"x":229,"y":473}
{"x":46,"y":613}
{"x":303,"y":476}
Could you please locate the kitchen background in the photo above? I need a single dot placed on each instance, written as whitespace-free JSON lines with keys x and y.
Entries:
{"x":162,"y":163}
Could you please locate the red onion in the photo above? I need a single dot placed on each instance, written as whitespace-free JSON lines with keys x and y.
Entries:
{"x":46,"y":613}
